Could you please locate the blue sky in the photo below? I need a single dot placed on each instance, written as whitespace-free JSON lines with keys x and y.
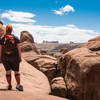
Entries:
{"x":62,"y":20}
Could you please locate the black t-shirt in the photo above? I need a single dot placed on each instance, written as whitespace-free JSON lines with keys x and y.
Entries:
{"x":17,"y":41}
{"x":15,"y":38}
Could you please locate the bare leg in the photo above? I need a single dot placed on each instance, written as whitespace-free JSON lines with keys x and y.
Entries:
{"x":17,"y":77}
{"x":8,"y":77}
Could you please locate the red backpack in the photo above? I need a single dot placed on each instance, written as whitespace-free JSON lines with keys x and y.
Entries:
{"x":9,"y":44}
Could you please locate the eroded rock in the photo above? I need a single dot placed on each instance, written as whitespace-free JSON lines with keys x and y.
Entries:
{"x":26,"y":36}
{"x":64,"y":50}
{"x":2,"y":30}
{"x":82,"y":74}
{"x":93,"y":44}
{"x":44,"y":63}
{"x":27,"y":42}
{"x":58,"y":87}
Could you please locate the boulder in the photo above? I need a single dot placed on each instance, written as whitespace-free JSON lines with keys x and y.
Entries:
{"x":27,"y":42}
{"x":26,"y":36}
{"x":2,"y":30}
{"x":93,"y":44}
{"x":58,"y":87}
{"x":61,"y":65}
{"x":27,"y":47}
{"x":43,"y":52}
{"x":82,"y":74}
{"x":64,"y":50}
{"x":44,"y":63}
{"x":58,"y":55}
{"x":51,"y":54}
{"x":95,"y":39}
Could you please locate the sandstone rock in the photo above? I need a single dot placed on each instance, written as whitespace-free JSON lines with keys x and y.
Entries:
{"x":57,"y":55}
{"x":43,"y":52}
{"x":82,"y":75}
{"x":2,"y":30}
{"x":93,"y":44}
{"x":44,"y":63}
{"x":95,"y":39}
{"x":61,"y":66}
{"x":51,"y":54}
{"x":58,"y":87}
{"x":27,"y":43}
{"x":26,"y":36}
{"x":14,"y":95}
{"x":27,"y":47}
{"x":31,"y":79}
{"x":64,"y":50}
{"x":35,"y":83}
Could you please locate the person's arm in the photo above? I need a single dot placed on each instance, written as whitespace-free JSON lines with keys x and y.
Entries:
{"x":0,"y":52}
{"x":19,"y":51}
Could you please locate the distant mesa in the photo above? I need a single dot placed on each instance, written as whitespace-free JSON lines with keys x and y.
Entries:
{"x":50,"y":41}
{"x":71,"y":42}
{"x":56,"y":42}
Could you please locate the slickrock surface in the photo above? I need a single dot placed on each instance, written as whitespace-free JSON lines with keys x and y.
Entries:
{"x":36,"y":85}
{"x":44,"y":63}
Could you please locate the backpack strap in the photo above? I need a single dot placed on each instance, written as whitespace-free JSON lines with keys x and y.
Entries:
{"x":8,"y":37}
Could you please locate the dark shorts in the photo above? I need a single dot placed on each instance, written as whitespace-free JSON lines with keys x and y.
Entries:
{"x":11,"y":63}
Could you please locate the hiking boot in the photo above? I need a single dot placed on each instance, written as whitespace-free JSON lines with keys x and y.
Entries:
{"x":9,"y":87}
{"x":19,"y":87}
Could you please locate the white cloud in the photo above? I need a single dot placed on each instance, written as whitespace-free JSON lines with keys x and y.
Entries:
{"x":63,"y":10}
{"x":63,"y":34}
{"x":58,"y":12}
{"x":18,"y":16}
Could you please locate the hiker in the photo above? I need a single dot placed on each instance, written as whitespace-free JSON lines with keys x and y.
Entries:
{"x":10,"y":56}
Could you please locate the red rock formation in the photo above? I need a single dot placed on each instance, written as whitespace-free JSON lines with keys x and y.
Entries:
{"x":81,"y":69}
{"x":44,"y":63}
{"x":93,"y":44}
{"x":26,"y":36}
{"x":2,"y":30}
{"x":64,"y":50}
{"x":43,"y":52}
{"x":58,"y":87}
{"x":35,"y":83}
{"x":27,"y":42}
